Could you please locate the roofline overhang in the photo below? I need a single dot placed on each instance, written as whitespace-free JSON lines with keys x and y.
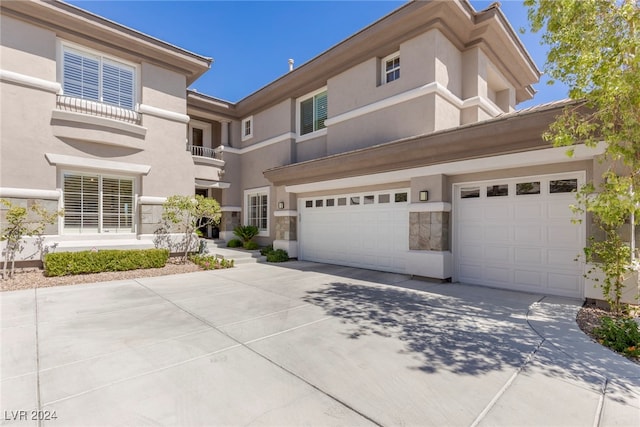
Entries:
{"x":510,"y":133}
{"x":78,"y":25}
{"x":465,"y":27}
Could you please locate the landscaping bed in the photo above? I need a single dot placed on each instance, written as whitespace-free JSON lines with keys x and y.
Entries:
{"x":28,"y":278}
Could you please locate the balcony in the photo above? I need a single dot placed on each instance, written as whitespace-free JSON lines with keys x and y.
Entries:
{"x":93,"y":108}
{"x":200,"y":151}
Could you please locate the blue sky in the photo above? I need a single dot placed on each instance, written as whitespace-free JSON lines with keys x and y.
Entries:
{"x":251,"y":41}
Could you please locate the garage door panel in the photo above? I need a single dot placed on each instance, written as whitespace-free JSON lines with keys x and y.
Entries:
{"x":528,"y":234}
{"x":527,"y":240}
{"x":365,"y":235}
{"x":528,"y":256}
{"x":529,"y":278}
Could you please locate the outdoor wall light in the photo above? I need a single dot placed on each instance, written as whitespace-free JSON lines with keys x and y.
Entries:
{"x":280,"y":205}
{"x":424,"y":195}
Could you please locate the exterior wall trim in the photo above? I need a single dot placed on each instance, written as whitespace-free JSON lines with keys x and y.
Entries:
{"x":28,"y":193}
{"x":71,"y":116}
{"x":163,"y":114}
{"x":285,"y":213}
{"x":430,"y":207}
{"x":528,"y":158}
{"x":151,"y":200}
{"x":32,"y":82}
{"x":103,"y":165}
{"x":231,"y":209}
{"x":259,"y":145}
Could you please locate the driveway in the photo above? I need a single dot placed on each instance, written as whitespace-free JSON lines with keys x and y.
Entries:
{"x":305,"y":344}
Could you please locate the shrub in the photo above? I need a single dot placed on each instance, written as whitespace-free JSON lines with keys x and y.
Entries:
{"x":264,"y":251}
{"x":68,"y":263}
{"x":620,"y":334}
{"x":278,"y":255}
{"x":234,"y":243}
{"x":246,"y":232}
{"x":209,"y":262}
{"x":250,"y":245}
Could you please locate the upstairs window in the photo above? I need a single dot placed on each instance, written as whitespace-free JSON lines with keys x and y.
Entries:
{"x":313,"y":112}
{"x":391,"y":68}
{"x":247,"y":128}
{"x":96,"y":78}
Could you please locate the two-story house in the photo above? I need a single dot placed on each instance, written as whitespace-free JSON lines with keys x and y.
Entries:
{"x":399,"y":149}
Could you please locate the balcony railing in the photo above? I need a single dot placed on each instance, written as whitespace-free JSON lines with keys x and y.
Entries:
{"x":200,"y":151}
{"x":93,"y":108}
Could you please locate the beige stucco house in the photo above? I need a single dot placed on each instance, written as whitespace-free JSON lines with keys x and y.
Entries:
{"x":400,"y":149}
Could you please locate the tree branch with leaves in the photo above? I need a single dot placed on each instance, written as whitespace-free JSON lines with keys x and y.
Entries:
{"x":593,"y":49}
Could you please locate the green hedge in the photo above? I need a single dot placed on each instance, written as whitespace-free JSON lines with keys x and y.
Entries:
{"x":68,"y":263}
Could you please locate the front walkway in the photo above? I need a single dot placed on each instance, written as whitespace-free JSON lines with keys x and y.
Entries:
{"x":305,"y":344}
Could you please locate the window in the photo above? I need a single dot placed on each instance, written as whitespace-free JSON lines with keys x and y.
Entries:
{"x":563,"y":186}
{"x":247,"y":128}
{"x":383,"y":198}
{"x":308,"y":204}
{"x":96,"y":78}
{"x":342,"y":201}
{"x":368,"y":200}
{"x":97,"y":204}
{"x":391,"y":68}
{"x":401,"y":197}
{"x":525,"y":188}
{"x":497,"y":190}
{"x":319,"y":203}
{"x":470,"y":193}
{"x":313,"y":113}
{"x":355,"y":201}
{"x":330,"y":202}
{"x":257,"y":209}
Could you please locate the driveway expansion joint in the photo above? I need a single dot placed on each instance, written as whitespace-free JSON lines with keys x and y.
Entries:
{"x":262,"y":356}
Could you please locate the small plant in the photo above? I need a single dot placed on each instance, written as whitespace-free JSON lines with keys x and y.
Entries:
{"x":210,"y":262}
{"x":246,"y":233}
{"x":620,"y":334}
{"x":264,"y":251}
{"x":21,"y":223}
{"x":69,"y":263}
{"x":234,"y":243}
{"x":278,"y":255}
{"x":250,"y":245}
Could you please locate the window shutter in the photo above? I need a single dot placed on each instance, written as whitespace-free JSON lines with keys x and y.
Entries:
{"x":117,"y":85}
{"x":81,"y":76}
{"x":306,"y":116}
{"x":321,"y":110}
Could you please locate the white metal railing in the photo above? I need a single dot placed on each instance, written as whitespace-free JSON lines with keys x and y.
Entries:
{"x":200,"y":151}
{"x":93,"y":108}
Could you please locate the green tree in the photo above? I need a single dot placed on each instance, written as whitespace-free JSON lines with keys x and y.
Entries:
{"x":22,"y":222}
{"x":594,"y":48}
{"x":189,"y":213}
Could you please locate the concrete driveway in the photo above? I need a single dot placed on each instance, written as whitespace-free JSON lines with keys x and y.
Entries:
{"x":304,"y":344}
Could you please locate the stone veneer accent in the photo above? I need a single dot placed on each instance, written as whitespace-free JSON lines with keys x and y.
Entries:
{"x":429,"y":231}
{"x":229,"y":221}
{"x":50,"y":205}
{"x":286,"y":228}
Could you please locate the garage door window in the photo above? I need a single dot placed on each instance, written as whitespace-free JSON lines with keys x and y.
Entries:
{"x":401,"y":197}
{"x":497,"y":190}
{"x":526,"y":188}
{"x":563,"y":186}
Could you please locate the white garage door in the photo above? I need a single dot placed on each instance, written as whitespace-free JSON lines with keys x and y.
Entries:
{"x":367,"y":230}
{"x":517,"y":234}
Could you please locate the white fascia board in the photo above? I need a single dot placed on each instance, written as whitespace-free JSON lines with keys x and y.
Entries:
{"x":506,"y":161}
{"x":98,"y":164}
{"x":259,"y":145}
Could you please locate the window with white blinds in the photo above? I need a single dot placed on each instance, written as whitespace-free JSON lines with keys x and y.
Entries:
{"x":97,"y":204}
{"x":313,"y":113}
{"x":99,"y":79}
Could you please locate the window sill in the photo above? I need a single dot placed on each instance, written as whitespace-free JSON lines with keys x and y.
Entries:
{"x":312,"y":135}
{"x":101,"y":130}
